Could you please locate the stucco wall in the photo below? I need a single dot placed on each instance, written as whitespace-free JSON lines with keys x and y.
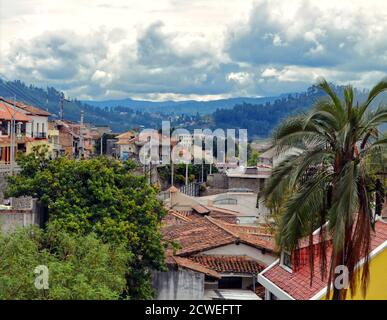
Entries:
{"x":37,"y":125}
{"x":217,"y":180}
{"x":377,"y":288}
{"x":250,"y":183}
{"x":178,"y":285}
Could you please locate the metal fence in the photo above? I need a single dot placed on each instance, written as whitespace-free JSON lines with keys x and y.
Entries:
{"x":191,"y":189}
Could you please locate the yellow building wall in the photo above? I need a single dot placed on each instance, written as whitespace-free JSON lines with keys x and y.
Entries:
{"x":30,"y":145}
{"x":377,"y":288}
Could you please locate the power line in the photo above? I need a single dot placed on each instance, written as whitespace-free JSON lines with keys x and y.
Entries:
{"x":8,"y":84}
{"x":16,"y":91}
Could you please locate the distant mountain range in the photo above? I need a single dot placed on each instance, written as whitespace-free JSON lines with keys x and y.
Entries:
{"x":179,"y":107}
{"x":258,"y":115}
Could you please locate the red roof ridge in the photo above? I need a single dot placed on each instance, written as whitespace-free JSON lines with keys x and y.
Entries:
{"x":229,"y":263}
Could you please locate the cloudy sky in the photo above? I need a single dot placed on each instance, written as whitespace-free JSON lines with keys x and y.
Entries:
{"x":191,"y":49}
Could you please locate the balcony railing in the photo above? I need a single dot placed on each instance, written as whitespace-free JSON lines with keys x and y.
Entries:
{"x":39,"y":135}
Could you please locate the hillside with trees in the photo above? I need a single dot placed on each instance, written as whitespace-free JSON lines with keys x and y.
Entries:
{"x":261,"y":119}
{"x":119,"y":118}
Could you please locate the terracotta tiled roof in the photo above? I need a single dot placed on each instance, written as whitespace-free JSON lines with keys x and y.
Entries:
{"x":196,"y":236}
{"x":229,"y":264}
{"x":204,"y":233}
{"x":198,"y":267}
{"x":297,"y":283}
{"x":174,"y":217}
{"x":7,"y":112}
{"x":258,"y":239}
{"x":126,"y":135}
{"x":201,"y":209}
{"x":31,"y":110}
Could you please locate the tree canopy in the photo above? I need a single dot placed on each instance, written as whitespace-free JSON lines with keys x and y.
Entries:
{"x":79,"y":267}
{"x":100,"y":196}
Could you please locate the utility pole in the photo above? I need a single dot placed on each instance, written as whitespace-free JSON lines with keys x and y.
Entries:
{"x":12,"y":137}
{"x":202,"y":170}
{"x":61,"y":106}
{"x":80,"y":153}
{"x":172,"y":169}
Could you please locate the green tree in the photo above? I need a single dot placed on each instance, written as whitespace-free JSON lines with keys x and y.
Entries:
{"x":329,"y":179}
{"x":79,"y":267}
{"x":104,"y":197}
{"x":253,"y":158}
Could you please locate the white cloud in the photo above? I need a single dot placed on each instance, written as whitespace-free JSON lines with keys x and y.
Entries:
{"x":270,"y":72}
{"x":239,"y":77}
{"x":202,"y":48}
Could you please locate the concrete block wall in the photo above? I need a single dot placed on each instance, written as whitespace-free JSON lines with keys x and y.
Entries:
{"x":11,"y":219}
{"x":178,"y":285}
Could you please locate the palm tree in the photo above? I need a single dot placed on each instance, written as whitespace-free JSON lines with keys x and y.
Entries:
{"x":327,"y":173}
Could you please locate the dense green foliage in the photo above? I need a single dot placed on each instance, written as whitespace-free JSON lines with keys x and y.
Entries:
{"x":100,"y":196}
{"x":328,"y":177}
{"x":79,"y":267}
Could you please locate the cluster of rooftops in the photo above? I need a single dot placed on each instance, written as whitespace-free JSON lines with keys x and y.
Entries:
{"x":209,"y":240}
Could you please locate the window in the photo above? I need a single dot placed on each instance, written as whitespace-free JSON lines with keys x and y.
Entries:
{"x":287,"y":260}
{"x":230,"y":283}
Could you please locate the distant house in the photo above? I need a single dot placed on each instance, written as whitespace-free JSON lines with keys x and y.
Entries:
{"x":252,"y":178}
{"x":55,"y":147}
{"x":38,"y":126}
{"x":242,"y":204}
{"x":35,"y":130}
{"x":129,"y":144}
{"x":126,"y":146}
{"x":65,"y":138}
{"x":285,"y":281}
{"x":7,"y":114}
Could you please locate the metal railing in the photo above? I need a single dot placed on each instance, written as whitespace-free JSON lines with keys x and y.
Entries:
{"x":191,"y":189}
{"x":39,"y":135}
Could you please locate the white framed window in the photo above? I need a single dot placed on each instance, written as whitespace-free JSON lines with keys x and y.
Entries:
{"x":286,"y":261}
